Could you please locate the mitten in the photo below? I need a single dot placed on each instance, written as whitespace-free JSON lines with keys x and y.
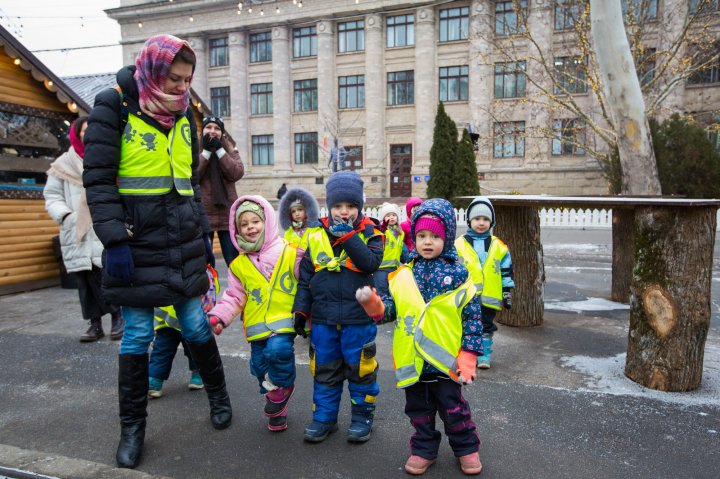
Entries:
{"x":371,"y":302}
{"x":216,"y":325}
{"x":507,"y":298}
{"x":211,"y":143}
{"x":299,"y":320}
{"x":467,"y":361}
{"x":118,"y":262}
{"x":341,"y":227}
{"x":209,"y":251}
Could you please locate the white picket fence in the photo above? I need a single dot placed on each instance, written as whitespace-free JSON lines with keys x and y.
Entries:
{"x":549,"y":217}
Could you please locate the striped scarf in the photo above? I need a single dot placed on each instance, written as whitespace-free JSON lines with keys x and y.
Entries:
{"x":152,"y":69}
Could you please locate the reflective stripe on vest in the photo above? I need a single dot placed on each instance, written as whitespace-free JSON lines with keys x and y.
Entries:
{"x":294,"y":239}
{"x":487,"y":277}
{"x":322,"y":253}
{"x":429,"y":332}
{"x":392,"y":250}
{"x":165,"y":318}
{"x":152,"y":162}
{"x":268,"y":307}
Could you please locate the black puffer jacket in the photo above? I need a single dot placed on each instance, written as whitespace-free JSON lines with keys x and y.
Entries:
{"x":167,"y":245}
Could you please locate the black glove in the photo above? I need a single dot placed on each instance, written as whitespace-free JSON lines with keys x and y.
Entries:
{"x":211,"y":143}
{"x":209,"y":251}
{"x":118,"y":262}
{"x":299,"y":320}
{"x":507,"y":298}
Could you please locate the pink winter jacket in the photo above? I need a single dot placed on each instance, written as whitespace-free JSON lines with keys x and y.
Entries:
{"x":234,"y":297}
{"x":405,"y":225}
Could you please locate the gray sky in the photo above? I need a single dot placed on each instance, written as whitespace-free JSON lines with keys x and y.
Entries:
{"x":54,"y":24}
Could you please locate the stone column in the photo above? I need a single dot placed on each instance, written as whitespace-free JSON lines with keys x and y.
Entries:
{"x":281,"y":100}
{"x":540,"y":26}
{"x":199,"y":82}
{"x":328,"y":123}
{"x":376,"y":154}
{"x":481,"y":67}
{"x":426,"y":91}
{"x":239,"y":98}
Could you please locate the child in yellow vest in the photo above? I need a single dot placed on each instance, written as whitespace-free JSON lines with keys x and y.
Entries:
{"x":437,"y":338}
{"x":394,"y":252}
{"x":262,"y":283}
{"x":488,"y":260}
{"x":298,"y":212}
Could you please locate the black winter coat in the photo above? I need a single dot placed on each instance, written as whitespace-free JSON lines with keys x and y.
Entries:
{"x":167,"y":230}
{"x":329,"y":296}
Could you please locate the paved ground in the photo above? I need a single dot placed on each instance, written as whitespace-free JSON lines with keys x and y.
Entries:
{"x":554,"y":405}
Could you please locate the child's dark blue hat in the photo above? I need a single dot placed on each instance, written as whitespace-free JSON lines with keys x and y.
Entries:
{"x":345,"y":186}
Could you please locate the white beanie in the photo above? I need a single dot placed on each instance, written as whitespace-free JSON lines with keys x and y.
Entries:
{"x":388,"y":208}
{"x":481,"y":206}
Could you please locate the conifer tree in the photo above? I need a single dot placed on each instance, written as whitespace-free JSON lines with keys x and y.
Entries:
{"x":442,"y":156}
{"x":465,"y":172}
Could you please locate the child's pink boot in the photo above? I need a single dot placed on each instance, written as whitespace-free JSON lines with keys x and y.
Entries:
{"x":277,"y":423}
{"x":276,"y":401}
{"x":470,"y":464}
{"x":417,"y":465}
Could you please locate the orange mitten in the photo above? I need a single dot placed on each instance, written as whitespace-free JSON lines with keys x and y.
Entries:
{"x":216,"y":325}
{"x":371,"y":302}
{"x":467,"y":362}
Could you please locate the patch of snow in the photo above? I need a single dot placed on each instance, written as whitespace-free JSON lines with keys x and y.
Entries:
{"x":606,"y":375}
{"x":577,"y":269}
{"x":589,"y":304}
{"x":587,"y":247}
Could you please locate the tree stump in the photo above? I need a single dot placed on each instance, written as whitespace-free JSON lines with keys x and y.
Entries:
{"x":670,"y":296}
{"x":519,"y":228}
{"x":622,"y":254}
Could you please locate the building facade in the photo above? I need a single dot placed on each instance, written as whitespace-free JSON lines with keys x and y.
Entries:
{"x":303,"y":86}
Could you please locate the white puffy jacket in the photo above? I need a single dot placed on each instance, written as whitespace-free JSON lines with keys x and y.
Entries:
{"x":62,"y":197}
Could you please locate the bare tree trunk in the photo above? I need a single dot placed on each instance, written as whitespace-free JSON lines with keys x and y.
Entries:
{"x":670,"y":296}
{"x":519,"y":228}
{"x":623,"y":256}
{"x":624,"y":99}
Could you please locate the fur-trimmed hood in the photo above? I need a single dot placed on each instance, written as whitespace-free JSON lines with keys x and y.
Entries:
{"x":442,"y":209}
{"x":309,"y":202}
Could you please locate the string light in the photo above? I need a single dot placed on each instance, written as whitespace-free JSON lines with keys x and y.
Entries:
{"x":139,"y":24}
{"x":191,"y":18}
{"x":240,"y":5}
{"x":16,"y":61}
{"x":262,"y":12}
{"x":300,"y":4}
{"x":249,"y":9}
{"x":277,"y":9}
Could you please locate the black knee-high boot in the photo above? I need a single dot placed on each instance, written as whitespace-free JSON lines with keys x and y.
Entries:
{"x":207,"y":357}
{"x":132,"y":392}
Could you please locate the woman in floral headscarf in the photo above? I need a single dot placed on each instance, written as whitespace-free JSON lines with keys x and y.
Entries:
{"x":142,"y":189}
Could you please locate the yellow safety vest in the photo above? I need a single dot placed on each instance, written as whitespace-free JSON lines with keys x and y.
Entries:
{"x":293,"y":238}
{"x":322,"y":253}
{"x":392,"y":250}
{"x":165,"y":317}
{"x":152,"y":163}
{"x":487,"y":277}
{"x":429,"y":332}
{"x":268,"y":308}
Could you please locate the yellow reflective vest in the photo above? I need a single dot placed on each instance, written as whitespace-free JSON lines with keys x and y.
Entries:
{"x":268,"y":308}
{"x":487,"y":277}
{"x":295,"y":239}
{"x":392,"y":251}
{"x":429,"y":332}
{"x":152,"y":163}
{"x":322,"y":254}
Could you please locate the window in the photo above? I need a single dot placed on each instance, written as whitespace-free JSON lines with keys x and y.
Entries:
{"x":263,"y":150}
{"x":306,"y":98}
{"x":567,"y":13}
{"x":509,"y":139}
{"x":510,"y":80}
{"x":261,"y":99}
{"x":639,"y":9}
{"x":570,"y":75}
{"x":351,"y":91}
{"x":707,"y":68}
{"x":646,"y":66}
{"x":219,"y":52}
{"x":220,"y":101}
{"x":704,"y":6}
{"x":454,"y":83}
{"x":304,"y":42}
{"x":260,"y":47}
{"x":354,"y":158}
{"x":400,"y":31}
{"x":306,"y":148}
{"x":454,"y":24}
{"x":569,"y":137}
{"x":351,"y":36}
{"x":401,"y":88}
{"x":508,"y":21}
